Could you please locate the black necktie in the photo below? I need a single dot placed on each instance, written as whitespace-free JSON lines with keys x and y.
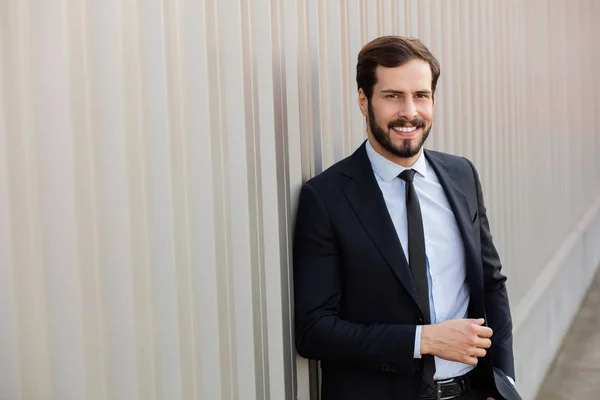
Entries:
{"x":417,"y":261}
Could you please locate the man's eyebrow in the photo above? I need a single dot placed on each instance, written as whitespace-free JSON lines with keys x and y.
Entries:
{"x":392,"y":91}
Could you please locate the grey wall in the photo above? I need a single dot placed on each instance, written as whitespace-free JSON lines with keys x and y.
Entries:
{"x":151,"y":153}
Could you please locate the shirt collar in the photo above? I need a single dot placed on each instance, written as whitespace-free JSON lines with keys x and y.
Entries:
{"x":388,"y":170}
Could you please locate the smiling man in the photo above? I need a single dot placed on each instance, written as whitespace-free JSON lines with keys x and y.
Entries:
{"x":398,"y":285}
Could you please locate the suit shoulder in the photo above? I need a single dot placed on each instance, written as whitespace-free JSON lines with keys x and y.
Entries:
{"x":460,"y":163}
{"x":330,"y":176}
{"x":447,"y":157}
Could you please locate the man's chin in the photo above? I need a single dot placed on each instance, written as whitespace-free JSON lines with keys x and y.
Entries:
{"x":408,"y":148}
{"x":404,"y":152}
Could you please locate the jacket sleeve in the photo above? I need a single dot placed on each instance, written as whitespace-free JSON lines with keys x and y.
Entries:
{"x":320,"y":333}
{"x":497,"y":306}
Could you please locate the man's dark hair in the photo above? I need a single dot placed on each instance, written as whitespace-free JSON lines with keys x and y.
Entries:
{"x":390,"y":52}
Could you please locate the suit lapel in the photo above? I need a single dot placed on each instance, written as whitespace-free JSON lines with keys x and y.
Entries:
{"x":366,"y":199}
{"x":450,"y":179}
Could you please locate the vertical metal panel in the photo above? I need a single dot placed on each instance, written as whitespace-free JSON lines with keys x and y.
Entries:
{"x":239,"y":194}
{"x":9,"y":347}
{"x":151,"y":155}
{"x":92,"y":302}
{"x":31,"y":321}
{"x":112,"y":191}
{"x":201,"y":115}
{"x":161,"y":136}
{"x":54,"y":148}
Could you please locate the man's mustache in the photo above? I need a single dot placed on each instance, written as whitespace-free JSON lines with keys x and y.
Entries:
{"x":400,"y":123}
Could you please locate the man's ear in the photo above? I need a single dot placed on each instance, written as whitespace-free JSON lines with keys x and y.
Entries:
{"x":363,"y":102}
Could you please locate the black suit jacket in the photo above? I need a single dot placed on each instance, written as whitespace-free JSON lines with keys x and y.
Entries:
{"x":356,"y":307}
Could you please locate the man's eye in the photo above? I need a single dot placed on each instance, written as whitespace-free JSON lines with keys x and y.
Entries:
{"x":392,"y":96}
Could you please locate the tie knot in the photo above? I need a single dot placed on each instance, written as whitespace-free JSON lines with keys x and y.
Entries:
{"x":408,"y":175}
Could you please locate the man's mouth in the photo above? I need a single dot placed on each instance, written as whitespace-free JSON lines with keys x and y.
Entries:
{"x":407,"y":129}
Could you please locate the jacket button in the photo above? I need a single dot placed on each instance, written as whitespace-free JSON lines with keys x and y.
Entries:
{"x":419,"y":320}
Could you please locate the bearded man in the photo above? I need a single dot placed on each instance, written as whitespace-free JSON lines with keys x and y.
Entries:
{"x":398,"y":286}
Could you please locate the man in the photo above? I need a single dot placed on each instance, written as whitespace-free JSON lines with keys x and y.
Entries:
{"x":398,"y":289}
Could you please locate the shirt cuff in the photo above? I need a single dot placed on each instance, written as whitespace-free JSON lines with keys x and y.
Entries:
{"x":418,"y":341}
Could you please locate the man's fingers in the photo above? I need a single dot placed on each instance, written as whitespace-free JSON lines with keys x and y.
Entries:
{"x":484,"y":343}
{"x":483,"y":331}
{"x":470,"y":360}
{"x":479,"y":353}
{"x":476,"y":321}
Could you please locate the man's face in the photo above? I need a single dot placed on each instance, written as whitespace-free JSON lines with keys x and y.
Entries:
{"x":400,"y":111}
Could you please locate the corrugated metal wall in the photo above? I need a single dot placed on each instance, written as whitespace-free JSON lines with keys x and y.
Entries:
{"x":151,"y":153}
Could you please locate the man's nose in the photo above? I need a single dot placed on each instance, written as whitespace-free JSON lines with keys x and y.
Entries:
{"x":409,"y":111}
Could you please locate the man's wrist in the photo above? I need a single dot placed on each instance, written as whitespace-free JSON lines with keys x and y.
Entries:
{"x":425,"y":331}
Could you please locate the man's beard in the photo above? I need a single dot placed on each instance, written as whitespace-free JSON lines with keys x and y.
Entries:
{"x":405,"y":149}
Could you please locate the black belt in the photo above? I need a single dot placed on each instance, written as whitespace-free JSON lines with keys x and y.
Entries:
{"x":447,"y":389}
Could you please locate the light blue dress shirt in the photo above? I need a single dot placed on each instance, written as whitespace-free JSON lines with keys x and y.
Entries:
{"x":446,"y":270}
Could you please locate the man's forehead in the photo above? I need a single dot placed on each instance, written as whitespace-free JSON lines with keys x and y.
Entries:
{"x":415,"y":74}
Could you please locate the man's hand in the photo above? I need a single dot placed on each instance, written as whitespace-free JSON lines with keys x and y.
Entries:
{"x":462,"y":340}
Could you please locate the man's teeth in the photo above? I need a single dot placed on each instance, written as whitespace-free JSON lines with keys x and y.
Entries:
{"x":406,"y":130}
